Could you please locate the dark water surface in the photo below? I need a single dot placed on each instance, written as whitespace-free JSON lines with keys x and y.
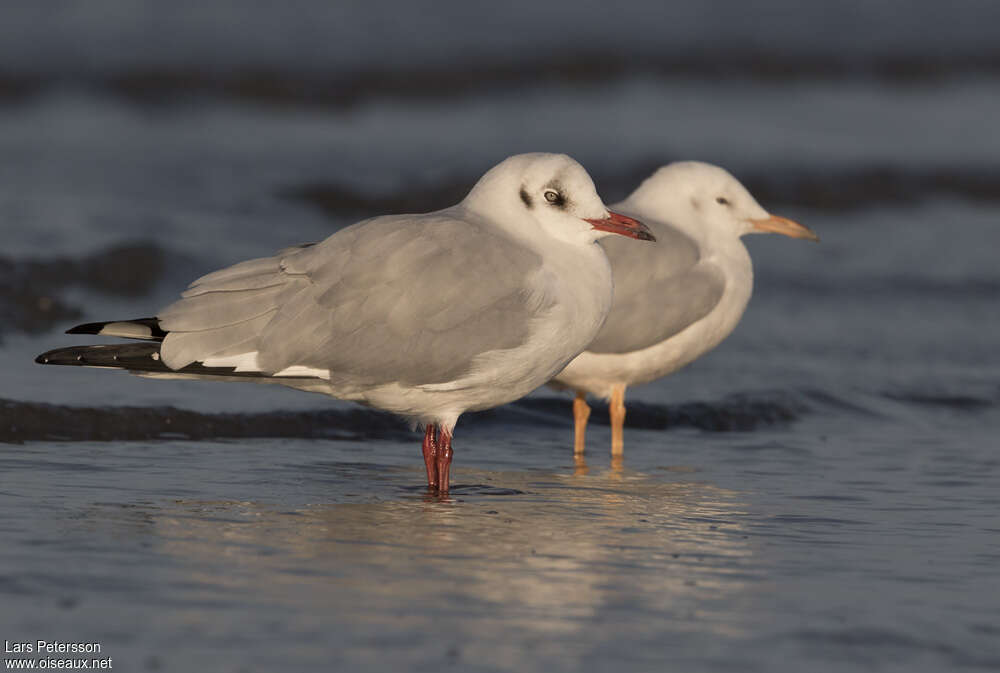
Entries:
{"x":733,"y":551}
{"x":821,"y":493}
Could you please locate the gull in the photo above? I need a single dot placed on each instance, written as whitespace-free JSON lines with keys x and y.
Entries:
{"x":426,"y":316}
{"x":678,"y":299}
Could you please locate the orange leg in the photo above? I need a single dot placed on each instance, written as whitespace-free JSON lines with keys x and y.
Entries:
{"x":616,"y":409}
{"x":581,"y":412}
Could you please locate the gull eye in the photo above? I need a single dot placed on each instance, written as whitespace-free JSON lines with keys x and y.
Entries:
{"x":552,"y":196}
{"x":722,"y":201}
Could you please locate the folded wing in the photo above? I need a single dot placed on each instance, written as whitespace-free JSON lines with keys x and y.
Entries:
{"x":660,"y":290}
{"x":386,"y":300}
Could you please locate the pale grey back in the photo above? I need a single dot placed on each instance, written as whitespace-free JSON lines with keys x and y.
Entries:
{"x":392,"y":299}
{"x":660,"y":289}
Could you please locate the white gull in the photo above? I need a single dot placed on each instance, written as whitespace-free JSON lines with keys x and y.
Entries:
{"x":678,"y":299}
{"x":427,"y":316}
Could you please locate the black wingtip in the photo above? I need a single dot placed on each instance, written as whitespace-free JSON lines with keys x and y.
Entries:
{"x":127,"y":329}
{"x":86,"y":328}
{"x":105,"y":355}
{"x":63,"y":356}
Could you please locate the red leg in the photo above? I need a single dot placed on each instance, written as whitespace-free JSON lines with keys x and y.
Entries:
{"x":444,"y":460}
{"x":431,"y":456}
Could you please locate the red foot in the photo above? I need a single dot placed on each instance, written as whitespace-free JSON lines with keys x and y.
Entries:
{"x":444,"y":461}
{"x":437,"y":458}
{"x":430,"y":447}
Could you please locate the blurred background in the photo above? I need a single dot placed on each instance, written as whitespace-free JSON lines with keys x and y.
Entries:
{"x":847,"y":521}
{"x":144,"y":144}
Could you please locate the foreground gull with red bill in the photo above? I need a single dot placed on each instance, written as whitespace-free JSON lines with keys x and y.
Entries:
{"x":427,"y":316}
{"x":679,"y":299}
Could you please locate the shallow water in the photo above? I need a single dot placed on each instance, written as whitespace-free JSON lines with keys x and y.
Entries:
{"x":820,"y":493}
{"x":745,"y":551}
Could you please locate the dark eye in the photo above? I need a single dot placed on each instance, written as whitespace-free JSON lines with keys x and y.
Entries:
{"x":722,"y":201}
{"x":552,"y":196}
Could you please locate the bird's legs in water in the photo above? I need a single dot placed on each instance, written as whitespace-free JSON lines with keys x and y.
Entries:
{"x":444,"y":460}
{"x":430,"y":447}
{"x":437,"y":457}
{"x":581,"y":412}
{"x":616,"y":410}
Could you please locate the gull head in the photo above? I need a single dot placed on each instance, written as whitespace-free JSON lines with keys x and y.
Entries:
{"x":693,"y":191}
{"x":548,"y":195}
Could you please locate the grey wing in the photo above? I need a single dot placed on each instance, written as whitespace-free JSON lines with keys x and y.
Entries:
{"x":389,"y":299}
{"x":660,"y":289}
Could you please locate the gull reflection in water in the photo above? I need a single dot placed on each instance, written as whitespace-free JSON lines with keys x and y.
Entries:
{"x":552,"y":556}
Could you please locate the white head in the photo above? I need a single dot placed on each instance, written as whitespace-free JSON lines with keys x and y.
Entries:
{"x":712,"y":199}
{"x":551,"y":193}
